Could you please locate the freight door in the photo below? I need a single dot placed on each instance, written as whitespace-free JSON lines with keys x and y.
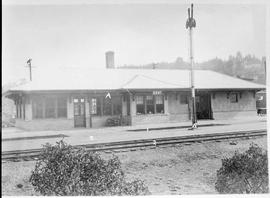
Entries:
{"x":203,"y":106}
{"x":79,"y":112}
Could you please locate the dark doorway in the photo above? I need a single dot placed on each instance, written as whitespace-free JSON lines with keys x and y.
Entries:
{"x":203,"y":106}
{"x":79,"y":112}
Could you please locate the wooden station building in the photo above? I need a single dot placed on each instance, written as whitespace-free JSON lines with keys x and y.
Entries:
{"x":70,"y":98}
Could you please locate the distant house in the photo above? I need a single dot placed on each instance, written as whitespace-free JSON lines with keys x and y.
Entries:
{"x":71,"y":98}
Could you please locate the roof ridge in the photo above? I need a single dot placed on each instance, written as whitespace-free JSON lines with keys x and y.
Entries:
{"x":129,"y":81}
{"x":159,"y":80}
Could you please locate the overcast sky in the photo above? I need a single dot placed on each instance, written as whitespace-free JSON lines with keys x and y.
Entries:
{"x":79,"y":35}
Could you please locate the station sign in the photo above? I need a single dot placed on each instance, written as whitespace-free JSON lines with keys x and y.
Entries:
{"x":157,"y":92}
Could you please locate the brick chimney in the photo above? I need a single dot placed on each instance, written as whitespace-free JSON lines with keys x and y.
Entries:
{"x":110,"y":59}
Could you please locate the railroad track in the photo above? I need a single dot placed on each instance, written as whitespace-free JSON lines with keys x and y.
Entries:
{"x":123,"y":146}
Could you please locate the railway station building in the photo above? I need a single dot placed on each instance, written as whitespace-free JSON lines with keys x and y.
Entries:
{"x":89,"y":98}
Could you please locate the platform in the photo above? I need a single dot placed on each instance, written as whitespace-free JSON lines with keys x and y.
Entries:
{"x":16,"y":139}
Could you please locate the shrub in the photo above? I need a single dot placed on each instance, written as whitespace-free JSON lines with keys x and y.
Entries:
{"x":65,"y":170}
{"x":244,"y":172}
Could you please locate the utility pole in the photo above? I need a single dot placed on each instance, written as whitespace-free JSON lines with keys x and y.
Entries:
{"x":191,"y":23}
{"x":30,"y":67}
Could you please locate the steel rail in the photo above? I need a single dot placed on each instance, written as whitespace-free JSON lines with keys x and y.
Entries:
{"x":33,"y":154}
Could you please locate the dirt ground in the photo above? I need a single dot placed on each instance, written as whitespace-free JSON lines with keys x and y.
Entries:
{"x":182,"y":169}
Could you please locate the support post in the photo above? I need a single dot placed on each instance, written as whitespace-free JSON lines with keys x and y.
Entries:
{"x":191,"y":23}
{"x":90,"y":110}
{"x":193,"y":97}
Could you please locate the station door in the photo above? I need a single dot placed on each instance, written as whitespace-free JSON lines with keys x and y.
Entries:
{"x":79,"y":112}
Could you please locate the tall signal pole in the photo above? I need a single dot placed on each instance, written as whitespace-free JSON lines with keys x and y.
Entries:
{"x":191,"y":23}
{"x":30,"y":67}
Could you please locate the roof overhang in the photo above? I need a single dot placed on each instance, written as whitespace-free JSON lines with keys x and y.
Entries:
{"x":10,"y":93}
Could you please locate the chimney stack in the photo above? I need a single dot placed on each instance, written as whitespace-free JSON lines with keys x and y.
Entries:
{"x":109,"y":59}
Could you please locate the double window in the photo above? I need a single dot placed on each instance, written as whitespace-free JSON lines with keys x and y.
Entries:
{"x":150,"y":109}
{"x":140,"y":104}
{"x":159,"y":104}
{"x":49,"y":107}
{"x":149,"y":104}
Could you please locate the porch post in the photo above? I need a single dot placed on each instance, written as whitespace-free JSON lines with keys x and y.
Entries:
{"x":132,"y":108}
{"x":87,"y":111}
{"x":90,"y":110}
{"x":124,"y":105}
{"x":70,"y":107}
{"x":166,"y":103}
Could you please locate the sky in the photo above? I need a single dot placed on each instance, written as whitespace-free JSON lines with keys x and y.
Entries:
{"x":78,"y":35}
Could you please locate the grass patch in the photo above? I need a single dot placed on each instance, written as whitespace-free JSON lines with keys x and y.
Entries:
{"x":172,"y":170}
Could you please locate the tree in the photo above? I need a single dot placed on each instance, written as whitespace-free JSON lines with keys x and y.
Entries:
{"x":228,"y":66}
{"x":244,"y":172}
{"x":68,"y":171}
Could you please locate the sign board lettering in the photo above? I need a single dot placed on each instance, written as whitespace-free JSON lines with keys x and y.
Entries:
{"x":157,"y":92}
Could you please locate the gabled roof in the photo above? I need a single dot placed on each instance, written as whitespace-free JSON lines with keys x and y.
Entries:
{"x":145,"y":82}
{"x":139,"y":79}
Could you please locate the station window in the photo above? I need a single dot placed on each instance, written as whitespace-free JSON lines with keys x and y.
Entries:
{"x":98,"y":106}
{"x":233,"y":97}
{"x":94,"y":106}
{"x":150,"y":104}
{"x":107,"y":106}
{"x":140,"y":104}
{"x":50,"y":107}
{"x":76,"y":109}
{"x":183,"y":99}
{"x":159,"y":104}
{"x":117,"y":105}
{"x":61,"y":107}
{"x":82,"y":107}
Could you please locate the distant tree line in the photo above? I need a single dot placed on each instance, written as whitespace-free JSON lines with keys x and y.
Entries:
{"x":247,"y":67}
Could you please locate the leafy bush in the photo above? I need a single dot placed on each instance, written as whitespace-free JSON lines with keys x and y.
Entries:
{"x":244,"y":172}
{"x":65,"y":170}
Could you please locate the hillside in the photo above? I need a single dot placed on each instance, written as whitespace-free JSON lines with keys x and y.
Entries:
{"x":246,"y":67}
